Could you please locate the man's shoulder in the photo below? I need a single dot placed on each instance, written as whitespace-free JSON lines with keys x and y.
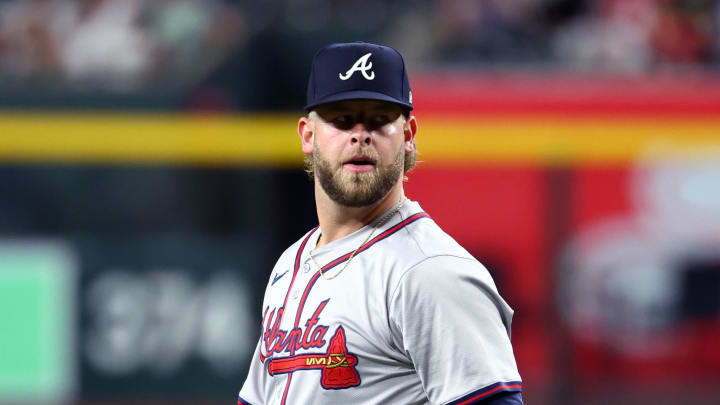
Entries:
{"x":432,"y":240}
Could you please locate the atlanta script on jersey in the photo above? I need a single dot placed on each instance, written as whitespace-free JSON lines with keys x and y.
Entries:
{"x":414,"y":319}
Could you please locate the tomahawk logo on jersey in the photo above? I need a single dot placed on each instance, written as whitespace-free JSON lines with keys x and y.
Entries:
{"x":387,"y":329}
{"x":336,"y":364}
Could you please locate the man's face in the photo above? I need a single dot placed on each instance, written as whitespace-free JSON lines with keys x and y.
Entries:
{"x":358,"y":150}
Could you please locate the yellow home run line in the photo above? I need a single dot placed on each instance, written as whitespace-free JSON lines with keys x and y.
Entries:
{"x":271,"y":140}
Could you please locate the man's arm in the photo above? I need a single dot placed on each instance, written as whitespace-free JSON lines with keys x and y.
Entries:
{"x":448,"y":317}
{"x":253,"y":389}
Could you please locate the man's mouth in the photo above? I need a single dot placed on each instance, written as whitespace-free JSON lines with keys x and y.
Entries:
{"x":359,"y":164}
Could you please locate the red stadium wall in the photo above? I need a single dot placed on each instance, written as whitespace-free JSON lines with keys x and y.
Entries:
{"x":518,"y":215}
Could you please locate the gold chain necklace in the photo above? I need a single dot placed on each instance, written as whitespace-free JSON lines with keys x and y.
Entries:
{"x":378,"y":225}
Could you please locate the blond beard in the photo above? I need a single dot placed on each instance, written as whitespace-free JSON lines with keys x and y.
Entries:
{"x":357,"y":189}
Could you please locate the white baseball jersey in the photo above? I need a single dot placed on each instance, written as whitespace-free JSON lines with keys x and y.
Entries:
{"x":413,"y":319}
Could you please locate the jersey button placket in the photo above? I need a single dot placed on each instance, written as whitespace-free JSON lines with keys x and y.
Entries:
{"x":306,"y":267}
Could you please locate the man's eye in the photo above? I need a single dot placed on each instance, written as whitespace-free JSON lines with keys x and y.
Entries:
{"x":381,"y":119}
{"x":343,"y":121}
{"x":378,"y":121}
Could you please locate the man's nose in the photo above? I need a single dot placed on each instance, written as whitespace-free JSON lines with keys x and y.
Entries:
{"x":359,"y":133}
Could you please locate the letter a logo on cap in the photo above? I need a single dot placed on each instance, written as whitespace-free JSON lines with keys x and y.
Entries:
{"x":362,"y":65}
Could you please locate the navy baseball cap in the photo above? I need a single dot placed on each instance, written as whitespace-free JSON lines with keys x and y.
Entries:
{"x":358,"y":70}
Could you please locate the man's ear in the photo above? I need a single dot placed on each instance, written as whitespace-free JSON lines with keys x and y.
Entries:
{"x":306,"y":130}
{"x":409,"y":131}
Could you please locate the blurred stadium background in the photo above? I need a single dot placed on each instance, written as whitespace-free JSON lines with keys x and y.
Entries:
{"x":150,"y":175}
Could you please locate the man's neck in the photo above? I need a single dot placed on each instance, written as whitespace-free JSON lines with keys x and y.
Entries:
{"x":338,"y":221}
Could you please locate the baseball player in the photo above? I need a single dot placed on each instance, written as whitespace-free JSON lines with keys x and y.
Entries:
{"x":376,"y":305}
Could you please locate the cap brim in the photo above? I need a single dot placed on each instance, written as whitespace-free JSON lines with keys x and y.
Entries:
{"x":357,"y":95}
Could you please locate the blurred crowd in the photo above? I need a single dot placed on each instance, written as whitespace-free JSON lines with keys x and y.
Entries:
{"x":125,"y":45}
{"x":642,"y":35}
{"x":116,"y":44}
{"x":613,"y":36}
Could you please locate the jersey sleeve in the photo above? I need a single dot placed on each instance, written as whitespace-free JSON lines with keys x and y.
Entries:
{"x":509,"y":398}
{"x":251,"y":392}
{"x":449,"y":319}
